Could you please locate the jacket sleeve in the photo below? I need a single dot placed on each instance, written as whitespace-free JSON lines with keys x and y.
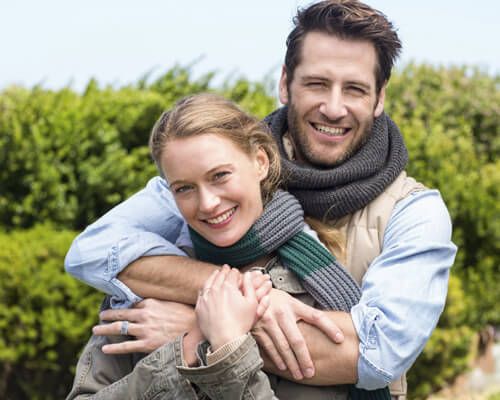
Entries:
{"x":101,"y":376}
{"x":404,"y":289}
{"x":239,"y":375}
{"x":146,"y":224}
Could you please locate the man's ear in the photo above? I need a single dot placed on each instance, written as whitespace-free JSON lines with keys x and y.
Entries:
{"x":283,"y":89}
{"x":379,"y":107}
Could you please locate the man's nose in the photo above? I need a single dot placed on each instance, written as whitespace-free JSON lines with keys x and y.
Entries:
{"x":333,"y":105}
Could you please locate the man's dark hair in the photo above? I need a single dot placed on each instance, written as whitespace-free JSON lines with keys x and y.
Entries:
{"x":346,"y":19}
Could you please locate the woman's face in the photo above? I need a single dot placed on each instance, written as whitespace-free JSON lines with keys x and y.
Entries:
{"x":215,"y":185}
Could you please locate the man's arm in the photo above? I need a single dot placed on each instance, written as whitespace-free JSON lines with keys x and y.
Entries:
{"x":403,"y":295}
{"x":170,"y":278}
{"x":146,"y":224}
{"x":404,"y":290}
{"x":335,"y":363}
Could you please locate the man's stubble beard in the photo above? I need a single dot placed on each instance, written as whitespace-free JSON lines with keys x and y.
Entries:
{"x":304,"y":149}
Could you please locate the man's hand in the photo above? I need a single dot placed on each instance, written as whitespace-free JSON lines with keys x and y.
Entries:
{"x":152,"y":322}
{"x":278,"y":334}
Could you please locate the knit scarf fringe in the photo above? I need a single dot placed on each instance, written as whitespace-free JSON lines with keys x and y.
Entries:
{"x":332,"y":193}
{"x":280,"y":229}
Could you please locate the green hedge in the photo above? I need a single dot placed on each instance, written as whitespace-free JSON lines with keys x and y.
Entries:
{"x":66,"y":158}
{"x":45,"y":315}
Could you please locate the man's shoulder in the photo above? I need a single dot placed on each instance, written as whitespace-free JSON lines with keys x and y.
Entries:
{"x":402,"y":186}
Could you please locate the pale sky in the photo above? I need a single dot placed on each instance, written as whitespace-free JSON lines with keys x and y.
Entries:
{"x":61,"y":42}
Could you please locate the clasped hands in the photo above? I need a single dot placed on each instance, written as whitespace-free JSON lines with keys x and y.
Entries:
{"x":271,"y":315}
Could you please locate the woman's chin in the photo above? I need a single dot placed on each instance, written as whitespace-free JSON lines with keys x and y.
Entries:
{"x":223,"y":242}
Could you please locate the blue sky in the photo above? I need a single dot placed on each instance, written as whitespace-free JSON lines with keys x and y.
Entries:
{"x":56,"y":42}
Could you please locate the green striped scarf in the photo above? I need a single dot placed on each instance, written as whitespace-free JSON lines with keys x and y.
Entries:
{"x":280,"y":229}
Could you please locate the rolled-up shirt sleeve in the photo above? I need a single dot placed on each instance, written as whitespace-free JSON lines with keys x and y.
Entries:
{"x":404,"y":290}
{"x":146,"y":224}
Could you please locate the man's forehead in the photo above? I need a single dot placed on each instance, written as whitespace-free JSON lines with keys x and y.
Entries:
{"x":322,"y":54}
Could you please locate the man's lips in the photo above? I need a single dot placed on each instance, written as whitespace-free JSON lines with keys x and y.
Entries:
{"x":330,"y":130}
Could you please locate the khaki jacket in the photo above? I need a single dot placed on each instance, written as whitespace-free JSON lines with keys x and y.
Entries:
{"x":161,"y":375}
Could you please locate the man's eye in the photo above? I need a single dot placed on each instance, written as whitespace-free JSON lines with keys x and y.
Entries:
{"x":356,"y":89}
{"x":315,"y":84}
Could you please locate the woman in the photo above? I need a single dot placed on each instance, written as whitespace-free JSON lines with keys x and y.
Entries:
{"x":223,"y":170}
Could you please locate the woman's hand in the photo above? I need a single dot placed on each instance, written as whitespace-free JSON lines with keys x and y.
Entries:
{"x":224,"y":312}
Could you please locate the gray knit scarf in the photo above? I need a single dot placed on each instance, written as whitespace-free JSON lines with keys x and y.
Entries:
{"x":280,"y":229}
{"x":333,"y":193}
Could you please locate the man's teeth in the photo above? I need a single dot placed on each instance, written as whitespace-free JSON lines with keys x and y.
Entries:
{"x":221,"y":218}
{"x":329,"y":130}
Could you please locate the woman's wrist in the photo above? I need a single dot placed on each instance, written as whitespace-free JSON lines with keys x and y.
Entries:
{"x":223,"y":338}
{"x":190,"y":343}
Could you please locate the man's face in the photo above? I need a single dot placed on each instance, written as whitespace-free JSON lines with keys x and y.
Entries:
{"x":332,"y":98}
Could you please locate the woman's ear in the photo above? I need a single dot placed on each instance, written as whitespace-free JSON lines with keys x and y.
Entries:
{"x":262,"y":164}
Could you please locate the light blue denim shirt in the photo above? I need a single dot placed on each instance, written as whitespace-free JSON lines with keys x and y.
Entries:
{"x":403,"y":292}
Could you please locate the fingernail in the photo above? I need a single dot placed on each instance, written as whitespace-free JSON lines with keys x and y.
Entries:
{"x":309,"y":373}
{"x":297,"y":375}
{"x":282,"y":367}
{"x":339,"y":337}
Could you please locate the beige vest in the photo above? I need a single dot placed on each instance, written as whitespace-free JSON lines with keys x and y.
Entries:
{"x":364,"y":232}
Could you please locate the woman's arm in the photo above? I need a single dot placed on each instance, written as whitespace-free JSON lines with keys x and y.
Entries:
{"x":100,"y":376}
{"x":225,"y":315}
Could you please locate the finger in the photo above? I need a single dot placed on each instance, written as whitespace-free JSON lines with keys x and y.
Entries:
{"x":258,"y":278}
{"x":248,"y":289}
{"x":320,"y":320}
{"x":263,"y":290}
{"x":125,"y":314}
{"x":220,"y":278}
{"x":284,"y":348}
{"x":266,"y":344}
{"x":114,"y":329}
{"x":233,"y":277}
{"x":210,"y":280}
{"x":130,"y":346}
{"x":263,"y":306}
{"x":298,"y":346}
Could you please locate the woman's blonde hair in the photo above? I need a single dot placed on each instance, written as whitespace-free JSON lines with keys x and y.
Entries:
{"x":212,"y":114}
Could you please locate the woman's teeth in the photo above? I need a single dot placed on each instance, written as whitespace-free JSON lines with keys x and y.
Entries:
{"x":221,"y":218}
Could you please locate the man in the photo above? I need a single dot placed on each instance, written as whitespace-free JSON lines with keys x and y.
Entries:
{"x":344,"y":159}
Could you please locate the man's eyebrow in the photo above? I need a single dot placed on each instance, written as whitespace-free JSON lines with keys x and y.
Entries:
{"x":313,"y":78}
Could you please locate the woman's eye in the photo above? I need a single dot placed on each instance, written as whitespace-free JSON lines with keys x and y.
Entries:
{"x":219,"y":175}
{"x":182,"y":189}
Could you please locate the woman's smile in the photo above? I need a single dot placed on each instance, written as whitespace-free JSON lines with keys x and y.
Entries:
{"x":216,"y":185}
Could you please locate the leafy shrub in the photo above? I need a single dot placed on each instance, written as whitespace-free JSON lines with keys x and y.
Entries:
{"x":67,"y":158}
{"x":45,"y":315}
